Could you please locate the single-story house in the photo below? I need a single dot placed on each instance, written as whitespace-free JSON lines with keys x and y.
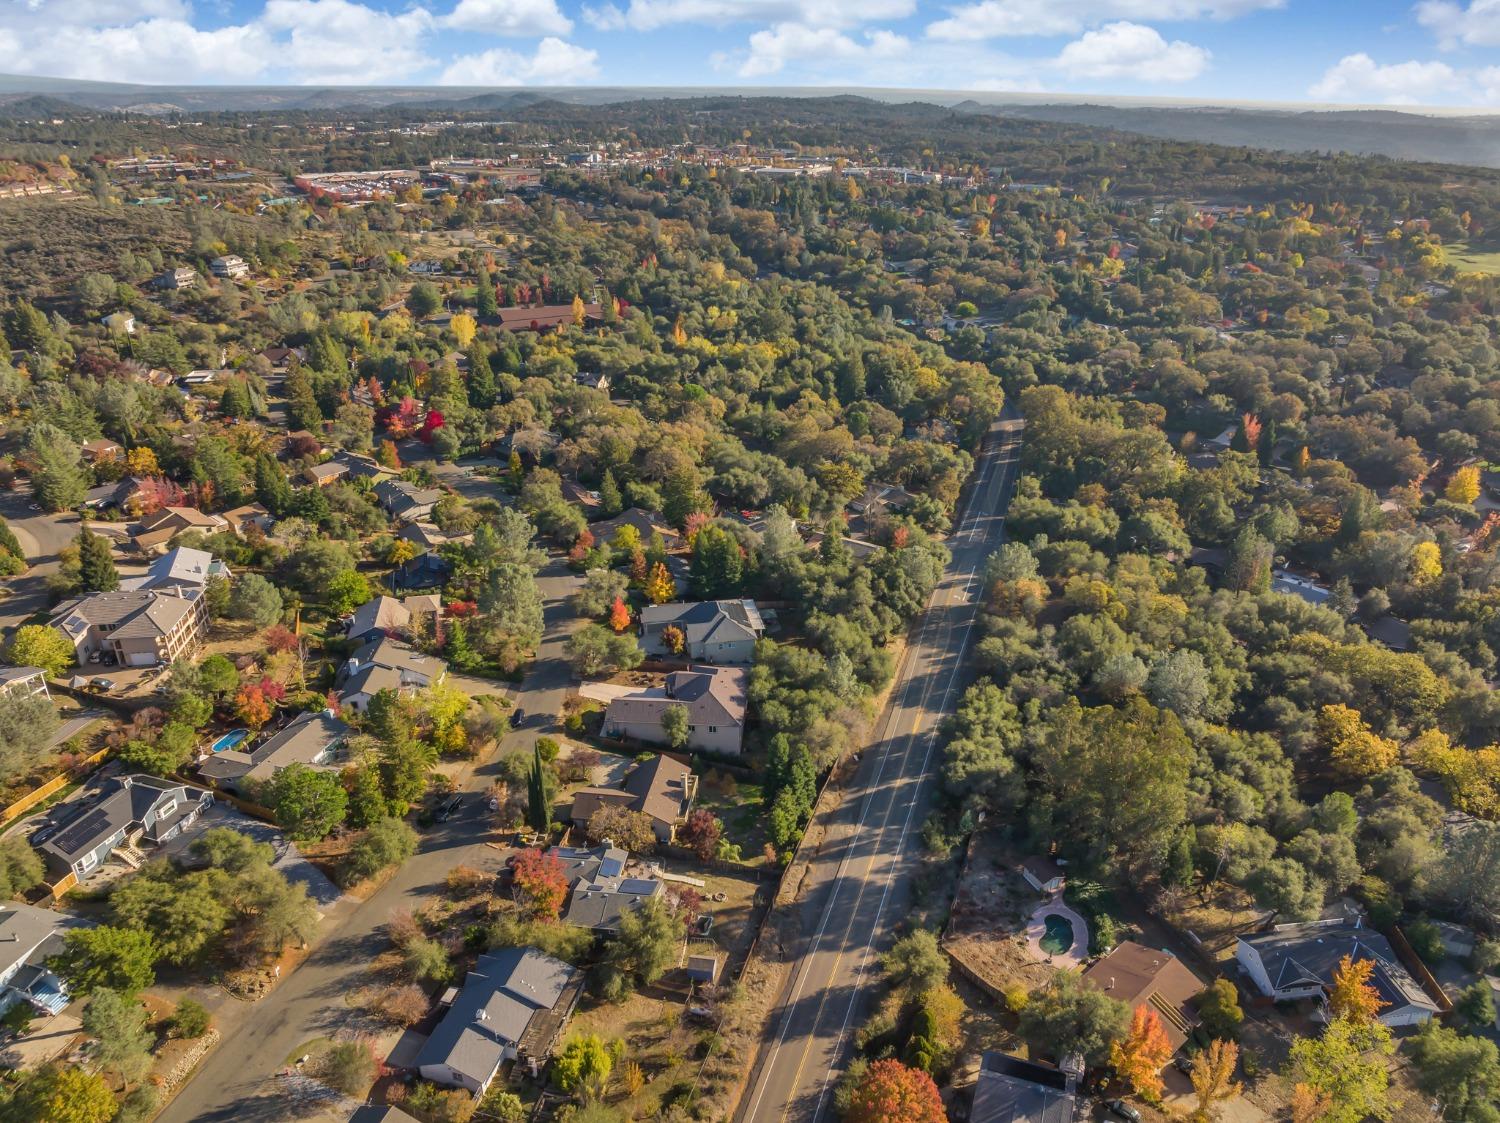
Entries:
{"x":242,"y":518}
{"x":321,"y":475}
{"x":385,"y":664}
{"x":98,"y":449}
{"x":119,"y":323}
{"x":662,"y":786}
{"x":402,"y":500}
{"x":1294,"y":961}
{"x":23,"y":681}
{"x":363,"y":467}
{"x":128,"y":810}
{"x":155,"y":530}
{"x":428,"y":536}
{"x":29,"y":936}
{"x":1140,"y":976}
{"x":309,"y":738}
{"x":180,"y":568}
{"x":600,"y":893}
{"x":425,"y":571}
{"x":1011,"y":1090}
{"x":116,"y":494}
{"x":716,"y":699}
{"x":375,"y":1113}
{"x":138,"y":627}
{"x":542,"y":317}
{"x":377,"y":617}
{"x":1298,"y":585}
{"x":718,"y":631}
{"x":575,"y":492}
{"x":1043,"y":874}
{"x":512,"y":1006}
{"x":280,"y":357}
{"x":645,"y":523}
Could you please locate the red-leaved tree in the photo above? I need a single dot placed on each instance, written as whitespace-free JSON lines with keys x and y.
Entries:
{"x":893,"y":1093}
{"x":541,"y":885}
{"x":701,"y":834}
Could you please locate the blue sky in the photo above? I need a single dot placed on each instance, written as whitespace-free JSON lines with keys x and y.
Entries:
{"x":1426,"y":52}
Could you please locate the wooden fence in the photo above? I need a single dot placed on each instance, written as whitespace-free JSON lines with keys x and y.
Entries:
{"x":51,"y":787}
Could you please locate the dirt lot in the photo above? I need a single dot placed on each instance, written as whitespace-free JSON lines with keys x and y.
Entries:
{"x":1217,"y":917}
{"x":987,"y":929}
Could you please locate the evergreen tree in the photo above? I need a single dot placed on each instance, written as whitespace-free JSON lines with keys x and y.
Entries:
{"x":272,"y":489}
{"x":481,"y":377}
{"x":235,"y":401}
{"x":58,"y":478}
{"x":95,"y":563}
{"x":302,"y":407}
{"x":538,"y":814}
{"x":485,"y":303}
{"x":459,"y":651}
{"x":610,"y":502}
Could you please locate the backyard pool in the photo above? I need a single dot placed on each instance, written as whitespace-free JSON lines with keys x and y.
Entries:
{"x":1059,"y":935}
{"x":229,"y":740}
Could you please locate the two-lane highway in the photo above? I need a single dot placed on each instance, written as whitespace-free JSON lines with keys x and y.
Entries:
{"x":858,"y":883}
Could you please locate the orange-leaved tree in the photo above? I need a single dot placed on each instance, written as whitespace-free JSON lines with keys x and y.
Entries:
{"x":1140,"y":1056}
{"x":619,"y":615}
{"x":890,"y":1092}
{"x":541,"y":885}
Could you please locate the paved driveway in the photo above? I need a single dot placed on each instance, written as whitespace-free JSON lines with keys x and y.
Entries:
{"x":289,"y":859}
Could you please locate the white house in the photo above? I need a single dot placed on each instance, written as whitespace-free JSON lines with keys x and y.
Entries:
{"x":1295,"y":961}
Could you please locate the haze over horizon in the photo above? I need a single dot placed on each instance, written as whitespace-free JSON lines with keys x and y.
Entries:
{"x":1434,"y":53}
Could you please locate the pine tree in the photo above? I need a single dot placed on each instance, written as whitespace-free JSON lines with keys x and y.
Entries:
{"x":271,"y":486}
{"x":96,"y":565}
{"x":301,"y":403}
{"x":485,"y":303}
{"x":481,"y":378}
{"x":458,"y":650}
{"x":610,"y":501}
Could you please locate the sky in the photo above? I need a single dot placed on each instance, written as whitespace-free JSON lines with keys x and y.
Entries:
{"x":1398,"y":52}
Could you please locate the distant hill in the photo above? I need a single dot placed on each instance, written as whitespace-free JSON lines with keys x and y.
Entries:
{"x":1439,"y":136}
{"x":1368,"y":132}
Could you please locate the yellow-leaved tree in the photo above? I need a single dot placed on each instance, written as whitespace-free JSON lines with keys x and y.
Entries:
{"x":1426,"y":563}
{"x":1352,"y":995}
{"x":1463,"y":485}
{"x":1354,"y":749}
{"x":1213,"y":1079}
{"x":463,"y":327}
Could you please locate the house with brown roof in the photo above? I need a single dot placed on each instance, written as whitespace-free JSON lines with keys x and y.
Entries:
{"x":99,"y":449}
{"x":242,"y":518}
{"x":646,"y":524}
{"x":715,"y":699}
{"x":662,"y":786}
{"x":543,"y":317}
{"x":321,"y":475}
{"x":1140,"y":976}
{"x":155,"y":530}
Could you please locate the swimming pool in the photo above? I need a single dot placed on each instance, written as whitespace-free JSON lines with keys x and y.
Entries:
{"x":229,"y":740}
{"x":1059,"y":935}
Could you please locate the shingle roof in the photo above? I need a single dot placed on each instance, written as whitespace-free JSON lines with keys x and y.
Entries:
{"x":1138,"y":975}
{"x":136,"y":613}
{"x":1010,"y":1090}
{"x":124,"y":800}
{"x":378,"y":615}
{"x":657,"y":786}
{"x":705,"y":621}
{"x":1296,"y":956}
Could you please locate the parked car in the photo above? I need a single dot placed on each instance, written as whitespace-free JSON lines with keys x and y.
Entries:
{"x":517,"y":718}
{"x":1123,"y":1110}
{"x":445,"y":812}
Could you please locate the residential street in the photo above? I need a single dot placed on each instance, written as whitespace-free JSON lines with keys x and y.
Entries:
{"x":41,"y":535}
{"x":238,"y":1081}
{"x":857,"y":884}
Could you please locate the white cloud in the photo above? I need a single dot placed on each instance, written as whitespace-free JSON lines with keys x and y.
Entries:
{"x":647,"y":15}
{"x":773,"y":48}
{"x":152,"y":50}
{"x":336,"y":41}
{"x":1489,"y":85}
{"x":555,"y":63}
{"x":1131,"y":50}
{"x":1360,"y":78}
{"x":991,"y":19}
{"x":1477,"y":25}
{"x":510,"y":17}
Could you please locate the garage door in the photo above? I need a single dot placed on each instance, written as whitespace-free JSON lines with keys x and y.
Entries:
{"x":141,"y":659}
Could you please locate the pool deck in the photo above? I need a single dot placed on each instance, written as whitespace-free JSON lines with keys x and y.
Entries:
{"x":1036,"y":928}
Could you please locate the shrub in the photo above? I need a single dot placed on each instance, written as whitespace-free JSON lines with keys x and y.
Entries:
{"x":426,"y":959}
{"x":190,"y":1019}
{"x":401,"y":1005}
{"x":1016,"y":996}
{"x":465,"y":881}
{"x":1426,"y":941}
{"x":349,"y":1067}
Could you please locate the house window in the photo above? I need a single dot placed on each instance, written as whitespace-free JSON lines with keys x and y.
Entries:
{"x":692,"y":729}
{"x":167,"y":809}
{"x":713,"y":728}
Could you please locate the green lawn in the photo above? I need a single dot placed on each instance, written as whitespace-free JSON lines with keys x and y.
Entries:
{"x":743,"y":813}
{"x":1477,"y":261}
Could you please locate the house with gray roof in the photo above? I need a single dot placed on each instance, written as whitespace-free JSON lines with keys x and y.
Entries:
{"x":409,"y":502}
{"x":181,"y":568}
{"x":1294,"y":961}
{"x":127,"y":811}
{"x":23,"y":681}
{"x":1011,"y":1090}
{"x":312,"y":739}
{"x":716,"y":701}
{"x":376,"y":617}
{"x":600,"y":892}
{"x":719,"y":631}
{"x":137,"y":627}
{"x":29,"y":936}
{"x":385,"y":664}
{"x":511,"y":1007}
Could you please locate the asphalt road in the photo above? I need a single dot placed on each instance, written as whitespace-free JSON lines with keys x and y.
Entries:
{"x":41,"y":536}
{"x":857,"y":885}
{"x":238,"y":1081}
